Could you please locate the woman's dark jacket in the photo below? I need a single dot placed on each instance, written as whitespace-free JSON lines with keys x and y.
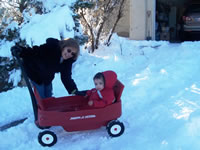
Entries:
{"x":42,"y":62}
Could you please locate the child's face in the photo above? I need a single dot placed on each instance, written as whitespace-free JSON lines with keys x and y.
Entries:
{"x":99,"y":84}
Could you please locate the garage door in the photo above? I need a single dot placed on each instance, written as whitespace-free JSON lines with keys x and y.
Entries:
{"x":169,"y":15}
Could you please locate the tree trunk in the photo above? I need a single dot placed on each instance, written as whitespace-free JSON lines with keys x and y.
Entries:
{"x":91,"y":31}
{"x":117,"y":20}
{"x":98,"y":34}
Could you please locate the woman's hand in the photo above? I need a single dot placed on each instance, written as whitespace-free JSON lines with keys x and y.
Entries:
{"x":81,"y":93}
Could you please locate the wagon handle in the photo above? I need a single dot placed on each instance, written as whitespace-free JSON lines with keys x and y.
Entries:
{"x":33,"y":99}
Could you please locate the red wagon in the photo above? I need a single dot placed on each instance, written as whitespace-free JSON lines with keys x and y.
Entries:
{"x":73,"y":113}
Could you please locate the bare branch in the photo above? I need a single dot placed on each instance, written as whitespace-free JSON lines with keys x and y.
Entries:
{"x":90,"y":29}
{"x":119,"y":16}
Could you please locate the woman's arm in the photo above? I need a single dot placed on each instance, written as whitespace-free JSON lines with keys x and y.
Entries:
{"x":66,"y":73}
{"x":41,"y":51}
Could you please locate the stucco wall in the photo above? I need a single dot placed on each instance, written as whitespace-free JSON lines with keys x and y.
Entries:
{"x":123,"y":25}
{"x":137,"y":19}
{"x":150,"y":18}
{"x":142,"y":19}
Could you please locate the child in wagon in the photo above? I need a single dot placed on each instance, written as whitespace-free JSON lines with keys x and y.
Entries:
{"x":103,"y":93}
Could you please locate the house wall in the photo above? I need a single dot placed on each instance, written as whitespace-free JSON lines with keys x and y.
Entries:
{"x":142,"y":19}
{"x":139,"y":19}
{"x":150,"y":19}
{"x":123,"y":25}
{"x":137,"y":29}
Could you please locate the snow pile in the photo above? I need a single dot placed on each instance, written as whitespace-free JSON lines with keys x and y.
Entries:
{"x":53,"y":24}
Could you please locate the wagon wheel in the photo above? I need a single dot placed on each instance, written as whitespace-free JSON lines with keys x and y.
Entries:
{"x":47,"y":138}
{"x":115,"y":128}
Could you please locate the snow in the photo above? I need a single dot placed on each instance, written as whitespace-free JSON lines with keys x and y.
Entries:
{"x":52,"y":24}
{"x":160,"y":102}
{"x":14,"y":77}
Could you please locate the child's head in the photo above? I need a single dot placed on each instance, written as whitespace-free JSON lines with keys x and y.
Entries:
{"x":99,"y":81}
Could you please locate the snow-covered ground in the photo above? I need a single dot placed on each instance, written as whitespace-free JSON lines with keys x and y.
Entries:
{"x":160,"y":102}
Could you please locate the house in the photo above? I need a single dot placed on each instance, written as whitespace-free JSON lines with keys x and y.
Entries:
{"x":152,"y":19}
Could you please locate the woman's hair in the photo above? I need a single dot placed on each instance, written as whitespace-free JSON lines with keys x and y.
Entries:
{"x":70,"y":42}
{"x":99,"y":75}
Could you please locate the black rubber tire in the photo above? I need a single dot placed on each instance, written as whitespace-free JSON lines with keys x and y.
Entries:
{"x":115,"y":128}
{"x":47,"y":138}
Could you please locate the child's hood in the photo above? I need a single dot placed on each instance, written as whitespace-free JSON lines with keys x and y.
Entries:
{"x":110,"y":78}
